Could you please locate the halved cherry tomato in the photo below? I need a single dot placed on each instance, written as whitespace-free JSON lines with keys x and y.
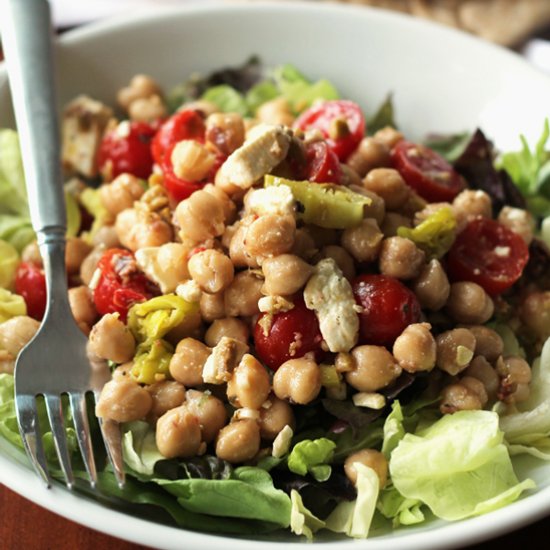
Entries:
{"x":340,"y":121}
{"x":388,"y":308}
{"x":186,"y":124}
{"x":178,"y":188}
{"x":291,"y":334}
{"x":127,"y":148}
{"x":323,"y":165}
{"x":489,"y":254}
{"x":30,"y":283}
{"x":121,"y":284}
{"x":427,"y":172}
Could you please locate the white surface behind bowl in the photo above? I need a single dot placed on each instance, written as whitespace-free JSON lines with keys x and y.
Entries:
{"x":442,"y":81}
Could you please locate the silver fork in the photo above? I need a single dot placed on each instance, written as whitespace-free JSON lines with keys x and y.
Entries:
{"x":55,"y":362}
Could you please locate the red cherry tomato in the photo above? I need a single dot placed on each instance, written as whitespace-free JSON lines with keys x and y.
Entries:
{"x":291,"y":334}
{"x":427,"y":172}
{"x":30,"y":283}
{"x":325,"y":117}
{"x":127,"y":148}
{"x":121,"y":284}
{"x":489,"y":254}
{"x":323,"y":165}
{"x":388,"y":308}
{"x":186,"y":124}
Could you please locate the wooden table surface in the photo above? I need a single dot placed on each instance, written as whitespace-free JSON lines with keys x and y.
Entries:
{"x":23,"y":525}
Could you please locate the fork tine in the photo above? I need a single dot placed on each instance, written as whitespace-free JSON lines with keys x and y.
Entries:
{"x":57,"y":423}
{"x":29,"y":427}
{"x":82,"y":426}
{"x":110,"y":430}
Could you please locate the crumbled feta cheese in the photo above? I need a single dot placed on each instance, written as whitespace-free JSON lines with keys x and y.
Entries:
{"x":223,"y":360}
{"x":245,"y":413}
{"x":329,"y":294}
{"x":370,"y":400}
{"x":190,"y":291}
{"x":502,"y":251}
{"x":274,"y":304}
{"x":277,"y":199}
{"x":94,"y":281}
{"x":281,"y":444}
{"x":265,"y":147}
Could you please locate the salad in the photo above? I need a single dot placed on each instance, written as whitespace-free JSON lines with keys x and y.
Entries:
{"x":312,"y":322}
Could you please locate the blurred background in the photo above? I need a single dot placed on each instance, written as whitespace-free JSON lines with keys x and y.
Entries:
{"x":522,"y":25}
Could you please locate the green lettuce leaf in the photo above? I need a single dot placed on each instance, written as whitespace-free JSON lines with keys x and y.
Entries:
{"x":402,"y":511}
{"x":13,"y":193}
{"x":11,"y":305}
{"x":450,"y":147}
{"x":8,"y":418}
{"x":140,"y":448}
{"x":383,"y":117}
{"x":9,"y":260}
{"x":302,"y":521}
{"x":261,"y":93}
{"x":16,"y":230}
{"x":227,"y":99}
{"x":394,"y":431}
{"x":459,"y":466}
{"x":355,"y":518}
{"x":312,"y":457}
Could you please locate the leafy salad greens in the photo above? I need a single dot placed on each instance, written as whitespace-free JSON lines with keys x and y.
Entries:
{"x":469,"y":453}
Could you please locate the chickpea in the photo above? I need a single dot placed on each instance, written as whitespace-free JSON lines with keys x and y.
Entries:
{"x":242,"y":295}
{"x":82,"y":305}
{"x":298,"y":380}
{"x":276,"y":111}
{"x":212,"y":306}
{"x":534,"y":312}
{"x":460,"y":397}
{"x":369,"y":155}
{"x":376,"y":209}
{"x":388,"y":184}
{"x":89,"y":264}
{"x":374,"y":368}
{"x":7,"y":362}
{"x":285,"y":274}
{"x":515,"y":370}
{"x":106,"y":237}
{"x":342,"y":258}
{"x":200,"y":217}
{"x":178,"y":433}
{"x":455,"y":350}
{"x":209,"y":410}
{"x":481,"y":369}
{"x":519,"y":221}
{"x":400,"y":258}
{"x":413,"y":205}
{"x":16,"y":333}
{"x":476,"y":386}
{"x":192,"y":160}
{"x":31,"y":253}
{"x":111,"y":339}
{"x":137,"y":230}
{"x":470,"y":204}
{"x":238,"y":441}
{"x":371,"y":458}
{"x":364,"y":241}
{"x":275,"y":417}
{"x":237,"y":250}
{"x":123,"y":400}
{"x":188,"y":361}
{"x":270,"y":235}
{"x":415,"y":348}
{"x":489,"y":344}
{"x":75,"y":252}
{"x":304,"y":245}
{"x":123,"y":372}
{"x":389,"y":136}
{"x":432,"y":286}
{"x":121,"y":193}
{"x":469,"y":303}
{"x":350,"y":176}
{"x":392,"y":222}
{"x":250,"y":385}
{"x":147,"y":109}
{"x":225,"y":131}
{"x":212,"y":270}
{"x":230,"y":327}
{"x":229,"y":208}
{"x":141,"y":86}
{"x":166,"y":395}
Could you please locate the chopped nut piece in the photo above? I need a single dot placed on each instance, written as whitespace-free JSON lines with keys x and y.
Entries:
{"x":224,"y":359}
{"x":281,"y":444}
{"x":370,"y":400}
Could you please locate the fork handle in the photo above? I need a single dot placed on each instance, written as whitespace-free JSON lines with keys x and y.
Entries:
{"x":27,"y":43}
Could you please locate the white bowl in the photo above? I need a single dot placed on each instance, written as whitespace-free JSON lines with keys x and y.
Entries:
{"x":442,"y":80}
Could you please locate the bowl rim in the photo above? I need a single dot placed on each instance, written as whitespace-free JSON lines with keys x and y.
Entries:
{"x":17,"y":476}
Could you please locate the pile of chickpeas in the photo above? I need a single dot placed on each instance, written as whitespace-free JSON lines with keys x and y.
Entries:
{"x":235,"y":264}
